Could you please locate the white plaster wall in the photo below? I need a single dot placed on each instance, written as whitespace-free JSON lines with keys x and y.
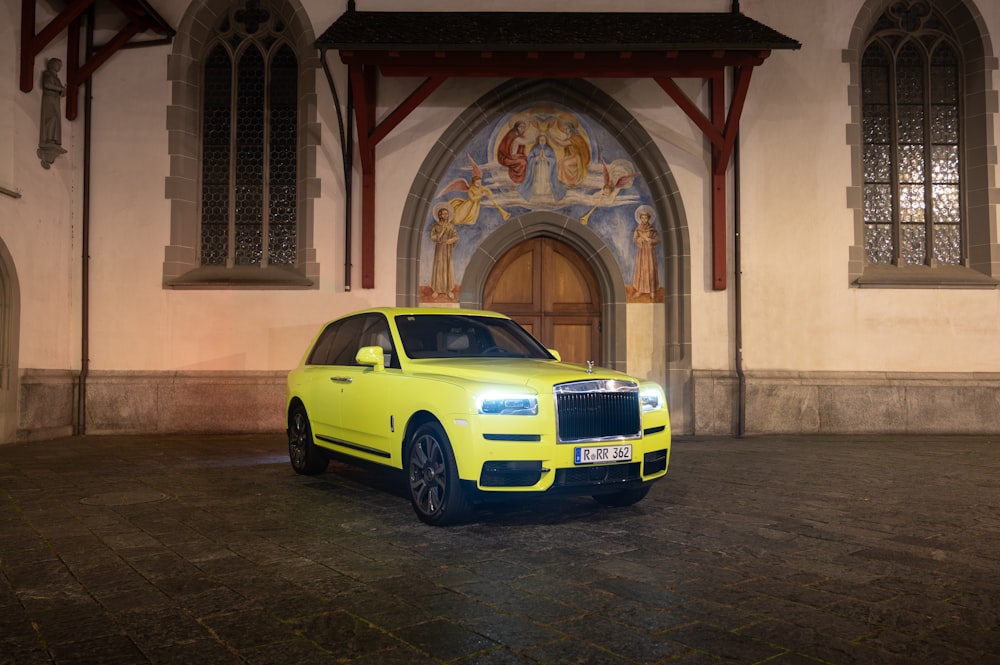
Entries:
{"x":684,"y":148}
{"x":647,"y":356}
{"x":41,"y":228}
{"x":8,"y":74}
{"x":138,"y":325}
{"x":800,"y":312}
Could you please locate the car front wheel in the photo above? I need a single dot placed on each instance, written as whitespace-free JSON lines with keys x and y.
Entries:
{"x":306,"y":457}
{"x":435,"y":490}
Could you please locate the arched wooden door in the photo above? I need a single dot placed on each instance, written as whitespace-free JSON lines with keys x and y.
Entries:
{"x":548,"y":288}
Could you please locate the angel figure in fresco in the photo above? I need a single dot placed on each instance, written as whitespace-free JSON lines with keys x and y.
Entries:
{"x":646,"y":279}
{"x":445,"y":237}
{"x":466,"y":211}
{"x":620,"y":175}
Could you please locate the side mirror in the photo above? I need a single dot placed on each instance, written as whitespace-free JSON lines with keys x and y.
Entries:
{"x":373,"y":356}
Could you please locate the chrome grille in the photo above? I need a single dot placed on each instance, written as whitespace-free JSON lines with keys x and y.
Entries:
{"x":598,"y":410}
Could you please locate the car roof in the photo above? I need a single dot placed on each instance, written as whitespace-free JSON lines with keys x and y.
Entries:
{"x":391,"y":312}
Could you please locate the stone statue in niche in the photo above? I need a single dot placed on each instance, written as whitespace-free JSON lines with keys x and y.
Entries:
{"x":50,"y":125}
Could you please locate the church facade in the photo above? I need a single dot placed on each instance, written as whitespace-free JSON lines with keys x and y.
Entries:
{"x":784,"y":212}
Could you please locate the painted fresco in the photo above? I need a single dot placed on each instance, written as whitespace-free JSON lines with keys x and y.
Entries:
{"x":543,"y":157}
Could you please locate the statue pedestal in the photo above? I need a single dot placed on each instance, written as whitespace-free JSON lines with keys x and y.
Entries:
{"x":48,"y":153}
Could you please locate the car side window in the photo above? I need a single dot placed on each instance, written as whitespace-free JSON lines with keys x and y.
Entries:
{"x":321,"y":349}
{"x":338,"y":344}
{"x":347,"y":342}
{"x":376,"y":333}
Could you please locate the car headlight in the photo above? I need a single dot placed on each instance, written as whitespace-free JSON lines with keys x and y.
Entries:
{"x":651,"y":399}
{"x":506,"y":404}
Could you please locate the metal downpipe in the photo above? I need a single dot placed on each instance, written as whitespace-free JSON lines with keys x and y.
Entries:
{"x":81,"y":407}
{"x":347,"y":149}
{"x":741,"y":399}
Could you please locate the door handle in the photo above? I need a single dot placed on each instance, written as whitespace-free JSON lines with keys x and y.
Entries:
{"x":341,"y":379}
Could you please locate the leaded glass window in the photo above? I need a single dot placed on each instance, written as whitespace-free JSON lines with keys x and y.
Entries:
{"x":249,"y":142}
{"x":911,"y":74}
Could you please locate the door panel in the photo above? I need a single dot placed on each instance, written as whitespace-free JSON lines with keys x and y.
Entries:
{"x":366,"y":413}
{"x":568,"y":281}
{"x":574,"y":337}
{"x":516,"y":285}
{"x":548,"y":288}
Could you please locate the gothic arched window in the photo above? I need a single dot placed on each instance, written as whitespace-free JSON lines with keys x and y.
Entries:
{"x":249,"y":143}
{"x":243,"y":142}
{"x":911,"y":82}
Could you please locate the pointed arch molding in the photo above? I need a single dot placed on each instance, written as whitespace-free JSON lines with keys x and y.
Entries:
{"x":184,"y":69}
{"x":583,"y":97}
{"x":10,"y":326}
{"x":979,"y":103}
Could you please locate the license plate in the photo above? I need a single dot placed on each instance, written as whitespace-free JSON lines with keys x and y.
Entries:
{"x":604,"y":454}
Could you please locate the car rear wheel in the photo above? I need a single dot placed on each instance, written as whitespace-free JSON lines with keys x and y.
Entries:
{"x":435,"y":490}
{"x":622,"y":498}
{"x":306,"y":457}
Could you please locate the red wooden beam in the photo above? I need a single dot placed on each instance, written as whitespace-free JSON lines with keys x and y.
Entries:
{"x":721,"y":130}
{"x":32,"y":44}
{"x":719,"y":126}
{"x":538,"y":64}
{"x":717,"y":93}
{"x":27,"y":76}
{"x":72,"y":69}
{"x":735,"y":111}
{"x":692,"y":111}
{"x":139,"y":20}
{"x":77,"y":76}
{"x":364,"y":83}
{"x":410,"y":104}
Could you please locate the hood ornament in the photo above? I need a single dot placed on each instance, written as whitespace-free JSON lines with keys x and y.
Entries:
{"x":590,"y":367}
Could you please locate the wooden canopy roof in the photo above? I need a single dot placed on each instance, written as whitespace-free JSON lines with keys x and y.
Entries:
{"x":439,"y":45}
{"x":462,"y":32}
{"x":126,"y":18}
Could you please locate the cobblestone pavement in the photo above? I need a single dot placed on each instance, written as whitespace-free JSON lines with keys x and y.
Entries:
{"x":779,"y":550}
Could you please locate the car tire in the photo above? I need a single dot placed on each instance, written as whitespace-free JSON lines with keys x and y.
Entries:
{"x":622,"y":498}
{"x":432,"y":478}
{"x":305,"y":456}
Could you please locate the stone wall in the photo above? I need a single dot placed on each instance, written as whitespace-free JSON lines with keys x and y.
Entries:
{"x":151,"y":403}
{"x":776,"y":403}
{"x":848,"y":403}
{"x":46,"y":404}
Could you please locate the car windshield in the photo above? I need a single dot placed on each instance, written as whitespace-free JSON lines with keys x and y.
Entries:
{"x":464,"y":336}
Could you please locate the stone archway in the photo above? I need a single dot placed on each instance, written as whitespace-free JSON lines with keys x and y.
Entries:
{"x":675,"y":332}
{"x":10,"y":325}
{"x":551,"y":290}
{"x":552,"y":225}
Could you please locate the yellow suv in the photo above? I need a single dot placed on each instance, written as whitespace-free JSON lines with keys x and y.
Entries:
{"x":467,"y":402}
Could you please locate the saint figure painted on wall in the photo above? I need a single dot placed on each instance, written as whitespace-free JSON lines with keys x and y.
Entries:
{"x":646,"y":278}
{"x":445,"y":237}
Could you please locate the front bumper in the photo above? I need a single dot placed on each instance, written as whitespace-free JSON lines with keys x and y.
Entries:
{"x":527,"y":475}
{"x":525,"y":463}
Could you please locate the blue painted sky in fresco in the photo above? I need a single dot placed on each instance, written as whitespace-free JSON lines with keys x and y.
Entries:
{"x":613,"y":218}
